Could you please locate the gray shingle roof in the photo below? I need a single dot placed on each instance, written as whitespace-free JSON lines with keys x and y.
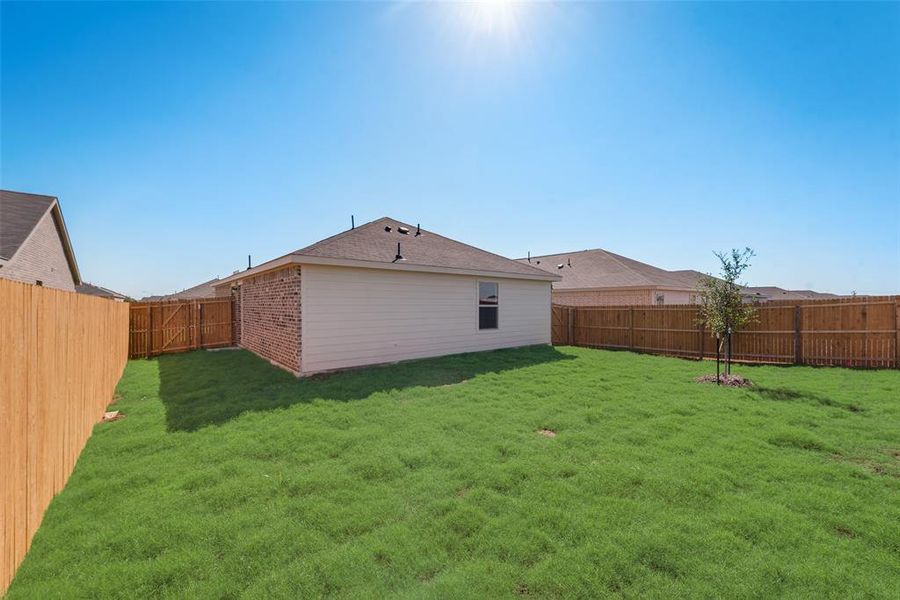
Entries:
{"x":373,"y":242}
{"x":776,"y":293}
{"x":19,"y":214}
{"x":602,"y":269}
{"x":95,"y":290}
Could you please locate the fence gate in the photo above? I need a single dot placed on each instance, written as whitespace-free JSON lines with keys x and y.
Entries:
{"x":178,"y":326}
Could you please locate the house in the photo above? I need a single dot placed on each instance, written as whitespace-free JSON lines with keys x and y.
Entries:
{"x":769,"y":292}
{"x":384,"y":292}
{"x":201,"y":290}
{"x":95,"y":290}
{"x":34,"y":244}
{"x":599,"y":277}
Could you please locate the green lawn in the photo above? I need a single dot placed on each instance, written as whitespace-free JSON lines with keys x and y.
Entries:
{"x":229,"y":478}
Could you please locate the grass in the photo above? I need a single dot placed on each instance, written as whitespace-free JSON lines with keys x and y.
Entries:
{"x":229,"y":478}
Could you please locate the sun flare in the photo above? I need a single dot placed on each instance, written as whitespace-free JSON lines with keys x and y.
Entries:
{"x":494,"y":16}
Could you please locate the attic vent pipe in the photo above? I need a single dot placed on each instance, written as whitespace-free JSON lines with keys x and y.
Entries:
{"x":529,"y":256}
{"x":399,"y":256}
{"x":248,"y":262}
{"x":418,"y":230}
{"x":569,"y":261}
{"x":352,"y":222}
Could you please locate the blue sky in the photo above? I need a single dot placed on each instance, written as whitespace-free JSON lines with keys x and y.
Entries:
{"x":182,"y":137}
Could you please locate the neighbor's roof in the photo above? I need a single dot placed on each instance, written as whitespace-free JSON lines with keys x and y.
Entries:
{"x":95,"y":290}
{"x":770,"y":292}
{"x":19,"y":215}
{"x":201,"y":290}
{"x":374,"y":245}
{"x":599,"y":268}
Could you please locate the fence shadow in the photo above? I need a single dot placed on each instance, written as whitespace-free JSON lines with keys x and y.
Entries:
{"x":204,"y":388}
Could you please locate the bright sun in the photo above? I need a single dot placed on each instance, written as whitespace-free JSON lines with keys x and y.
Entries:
{"x":493,"y":16}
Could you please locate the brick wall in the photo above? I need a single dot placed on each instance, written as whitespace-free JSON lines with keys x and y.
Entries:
{"x":268,"y":312}
{"x":603,"y":297}
{"x":41,"y":258}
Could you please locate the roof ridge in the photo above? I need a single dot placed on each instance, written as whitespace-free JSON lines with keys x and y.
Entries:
{"x":342,"y":234}
{"x":616,"y":258}
{"x":564,"y":253}
{"x":339,"y":235}
{"x":541,"y":271}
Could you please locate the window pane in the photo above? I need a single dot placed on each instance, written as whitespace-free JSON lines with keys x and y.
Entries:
{"x":487,"y":317}
{"x":487,"y":293}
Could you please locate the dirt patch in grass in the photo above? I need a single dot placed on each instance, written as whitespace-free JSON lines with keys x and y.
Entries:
{"x":726,"y":380}
{"x":113,"y":415}
{"x":845,"y":531}
{"x":547,"y":433}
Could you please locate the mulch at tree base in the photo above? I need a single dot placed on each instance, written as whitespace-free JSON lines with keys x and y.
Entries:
{"x":727,"y":380}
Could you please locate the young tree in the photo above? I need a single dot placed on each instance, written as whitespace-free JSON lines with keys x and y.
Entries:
{"x":722,"y":309}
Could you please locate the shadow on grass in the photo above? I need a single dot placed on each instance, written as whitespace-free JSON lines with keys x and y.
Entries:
{"x":209,"y":388}
{"x":786,"y":394}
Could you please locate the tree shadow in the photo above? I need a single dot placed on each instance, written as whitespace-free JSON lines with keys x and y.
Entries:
{"x":786,"y":395}
{"x":204,"y":388}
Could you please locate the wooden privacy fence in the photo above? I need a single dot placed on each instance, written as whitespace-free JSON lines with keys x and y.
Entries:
{"x":179,"y":325}
{"x":61,"y":355}
{"x":848,"y":332}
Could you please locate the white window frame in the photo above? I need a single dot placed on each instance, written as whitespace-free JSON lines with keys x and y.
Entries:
{"x":478,"y":306}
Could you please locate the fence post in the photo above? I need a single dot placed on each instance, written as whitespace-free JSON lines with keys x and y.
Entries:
{"x":897,"y":333}
{"x":570,"y":329}
{"x":149,"y":330}
{"x":798,"y":346}
{"x":198,"y":331}
{"x":631,"y":328}
{"x":702,"y":340}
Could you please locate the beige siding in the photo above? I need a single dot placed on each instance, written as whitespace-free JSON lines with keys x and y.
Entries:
{"x":354,"y":317}
{"x":41,"y":258}
{"x":611,"y":297}
{"x":621,"y":297}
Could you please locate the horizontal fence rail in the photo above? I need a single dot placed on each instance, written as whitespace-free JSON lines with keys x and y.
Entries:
{"x":179,"y":325}
{"x":847,"y":332}
{"x":61,"y":355}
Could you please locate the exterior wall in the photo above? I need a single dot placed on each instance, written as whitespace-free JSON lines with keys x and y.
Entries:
{"x":355,"y":317}
{"x":41,"y":258}
{"x":603,"y":297}
{"x":269,"y":316}
{"x":620,"y":297}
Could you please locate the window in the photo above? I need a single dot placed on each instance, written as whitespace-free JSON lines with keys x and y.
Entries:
{"x":660,"y":298}
{"x":488,"y":305}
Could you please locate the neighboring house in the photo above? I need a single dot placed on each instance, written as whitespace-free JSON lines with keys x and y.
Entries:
{"x":385,"y":292}
{"x":601,"y":278}
{"x":201,"y":290}
{"x":34,"y":243}
{"x":767,"y":293}
{"x":95,"y":290}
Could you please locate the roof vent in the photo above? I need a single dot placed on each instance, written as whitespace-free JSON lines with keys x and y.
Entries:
{"x":399,"y":256}
{"x":418,"y":230}
{"x":560,"y":266}
{"x":569,"y":262}
{"x":403,"y":230}
{"x":538,"y":262}
{"x":387,"y":228}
